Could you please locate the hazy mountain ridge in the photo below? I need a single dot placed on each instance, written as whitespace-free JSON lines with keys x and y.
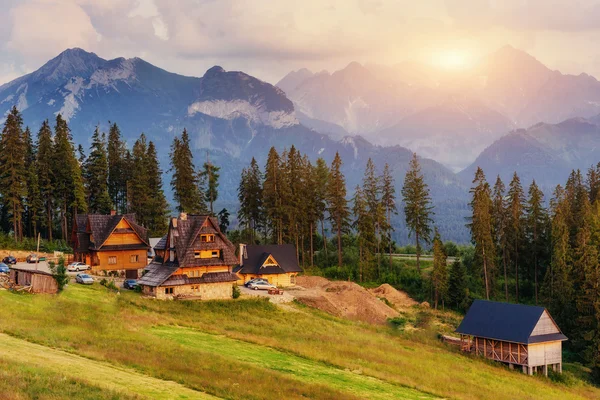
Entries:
{"x":230,"y":116}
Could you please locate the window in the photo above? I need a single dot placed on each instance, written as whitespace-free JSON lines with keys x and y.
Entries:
{"x":169,"y":290}
{"x":207,"y":238}
{"x":112,"y":260}
{"x":215,"y":254}
{"x":207,"y":253}
{"x":133,"y":259}
{"x":293,"y":279}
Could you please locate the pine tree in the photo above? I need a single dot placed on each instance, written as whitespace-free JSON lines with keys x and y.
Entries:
{"x":439,"y":274}
{"x":515,"y":225}
{"x":12,"y":169}
{"x":117,"y":169}
{"x":158,"y":207}
{"x":96,"y":176}
{"x":364,"y":226}
{"x":458,"y":292}
{"x":272,"y":200}
{"x":481,"y":229}
{"x":321,"y":178}
{"x":250,"y":198}
{"x":499,"y":221}
{"x":223,"y":220}
{"x":339,"y":213}
{"x":138,"y":188}
{"x":185,"y":182}
{"x":417,"y":206}
{"x":310,"y":205}
{"x":210,"y":175}
{"x":33,"y":199}
{"x":536,"y":223}
{"x":371,"y":233}
{"x":593,"y":183}
{"x":293,"y":196}
{"x":45,"y":176}
{"x":388,"y":203}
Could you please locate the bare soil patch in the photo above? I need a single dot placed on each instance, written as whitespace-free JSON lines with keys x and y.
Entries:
{"x":343,"y":299}
{"x":396,"y":297}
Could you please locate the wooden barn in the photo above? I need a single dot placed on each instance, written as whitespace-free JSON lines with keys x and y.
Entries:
{"x":514,"y":334}
{"x":110,"y":243}
{"x":39,"y":281}
{"x":276,"y":263}
{"x":194,"y":261}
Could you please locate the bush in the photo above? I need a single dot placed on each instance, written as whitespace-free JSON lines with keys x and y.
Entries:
{"x":398,"y":322}
{"x":59,"y":272}
{"x":236,"y":292}
{"x":7,"y":241}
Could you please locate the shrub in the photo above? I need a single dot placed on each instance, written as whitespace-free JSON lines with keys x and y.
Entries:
{"x":236,"y":292}
{"x":59,"y":272}
{"x":398,"y":322}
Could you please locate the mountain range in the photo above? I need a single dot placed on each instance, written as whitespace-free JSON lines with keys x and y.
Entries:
{"x":450,"y":117}
{"x":230,"y":116}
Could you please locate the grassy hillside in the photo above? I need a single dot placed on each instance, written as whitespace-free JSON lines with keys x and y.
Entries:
{"x":243,"y":349}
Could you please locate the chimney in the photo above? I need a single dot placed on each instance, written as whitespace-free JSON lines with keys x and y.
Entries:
{"x":113,"y":212}
{"x":183,"y":216}
{"x":242,"y":253}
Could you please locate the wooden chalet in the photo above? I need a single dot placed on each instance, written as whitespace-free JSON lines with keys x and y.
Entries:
{"x":193,"y":261}
{"x":276,"y":263}
{"x":514,"y":334}
{"x":110,"y":243}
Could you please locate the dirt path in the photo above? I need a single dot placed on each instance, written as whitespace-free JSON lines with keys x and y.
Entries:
{"x":94,"y":372}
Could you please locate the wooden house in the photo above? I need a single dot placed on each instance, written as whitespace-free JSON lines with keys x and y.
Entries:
{"x":277,"y":263}
{"x":514,"y":334}
{"x":39,"y":281}
{"x":194,"y":261}
{"x":110,"y":243}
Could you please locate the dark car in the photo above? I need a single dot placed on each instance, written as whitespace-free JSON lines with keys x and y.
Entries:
{"x":130,"y":284}
{"x":4,"y":268}
{"x":9,"y":260}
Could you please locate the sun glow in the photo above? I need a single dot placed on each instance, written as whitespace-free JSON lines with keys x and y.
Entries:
{"x":452,"y":59}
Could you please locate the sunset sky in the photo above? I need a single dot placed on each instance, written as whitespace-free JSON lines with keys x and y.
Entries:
{"x":269,"y":38}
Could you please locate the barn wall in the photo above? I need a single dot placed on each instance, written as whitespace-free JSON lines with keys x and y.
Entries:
{"x":545,"y":353}
{"x":545,"y":326}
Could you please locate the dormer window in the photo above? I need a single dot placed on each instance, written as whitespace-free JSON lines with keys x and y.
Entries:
{"x":207,"y":238}
{"x":270,"y":262}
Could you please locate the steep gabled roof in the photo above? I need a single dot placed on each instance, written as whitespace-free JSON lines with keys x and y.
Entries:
{"x":162,"y":244}
{"x":504,"y":321}
{"x":101,"y":226}
{"x":81,"y":223}
{"x":284,"y":254}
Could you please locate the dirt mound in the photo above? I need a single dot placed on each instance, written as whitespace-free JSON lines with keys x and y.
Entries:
{"x":311,"y":282}
{"x":344,"y":299}
{"x":397,"y":298}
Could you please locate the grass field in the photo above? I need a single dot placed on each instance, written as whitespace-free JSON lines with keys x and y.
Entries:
{"x":248,"y":349}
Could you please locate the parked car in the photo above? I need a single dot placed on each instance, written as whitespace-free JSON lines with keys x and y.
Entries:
{"x":84,"y":279}
{"x":32,"y":258}
{"x":77,"y":266}
{"x":130,"y":284}
{"x":4,"y":268}
{"x":261,"y":285}
{"x":247,"y":284}
{"x":9,"y":260}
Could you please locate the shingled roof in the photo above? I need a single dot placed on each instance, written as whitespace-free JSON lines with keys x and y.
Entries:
{"x":101,"y":226}
{"x":81,"y":222}
{"x":507,"y":322}
{"x":157,"y":273}
{"x":284,"y":255}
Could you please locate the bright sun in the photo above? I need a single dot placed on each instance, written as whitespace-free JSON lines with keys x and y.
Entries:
{"x":452,"y":59}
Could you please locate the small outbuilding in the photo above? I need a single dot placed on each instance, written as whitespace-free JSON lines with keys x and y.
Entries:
{"x":277,"y":263}
{"x":38,"y":281}
{"x":514,"y":334}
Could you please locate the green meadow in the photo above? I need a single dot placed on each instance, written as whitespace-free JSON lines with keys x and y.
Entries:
{"x":103,"y":345}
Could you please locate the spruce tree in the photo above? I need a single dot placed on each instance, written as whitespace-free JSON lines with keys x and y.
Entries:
{"x":293,"y":196}
{"x":138,"y":188}
{"x":388,"y":203}
{"x":536,"y":223}
{"x":250,"y":198}
{"x":117,"y":169}
{"x":500,"y":221}
{"x":515,"y":225}
{"x":458,"y":292}
{"x":364,"y":226}
{"x":321,"y":178}
{"x":210,"y":175}
{"x":417,"y":206}
{"x":481,"y":229}
{"x":33,"y":199}
{"x":339,"y":213}
{"x":13,"y":170}
{"x":371,"y":233}
{"x":158,"y":207}
{"x":185,"y":181}
{"x":223,"y":220}
{"x":45,"y":176}
{"x":96,"y":176}
{"x":272,"y":200}
{"x":439,"y":274}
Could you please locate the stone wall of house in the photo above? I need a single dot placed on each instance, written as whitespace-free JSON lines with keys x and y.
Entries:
{"x":203,"y":291}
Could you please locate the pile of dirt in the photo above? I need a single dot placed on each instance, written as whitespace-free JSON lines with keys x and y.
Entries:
{"x":21,"y":255}
{"x":343,"y":299}
{"x":396,"y":297}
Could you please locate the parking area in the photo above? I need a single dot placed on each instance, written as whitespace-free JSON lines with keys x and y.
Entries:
{"x":286,"y":297}
{"x":40,"y":266}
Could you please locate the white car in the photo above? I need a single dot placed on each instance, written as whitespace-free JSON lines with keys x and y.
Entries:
{"x":261,"y":285}
{"x":77,"y":266}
